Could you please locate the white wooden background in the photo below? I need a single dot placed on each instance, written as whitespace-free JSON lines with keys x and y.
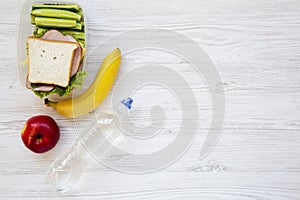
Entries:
{"x":255,"y":46}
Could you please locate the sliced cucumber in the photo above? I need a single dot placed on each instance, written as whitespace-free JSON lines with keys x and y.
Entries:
{"x":57,"y":13}
{"x":72,"y":7}
{"x":32,"y":19}
{"x":78,"y":35}
{"x":48,"y":22}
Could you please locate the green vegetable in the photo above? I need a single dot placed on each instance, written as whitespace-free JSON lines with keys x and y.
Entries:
{"x":78,"y":35}
{"x":80,"y":12}
{"x":82,"y":42}
{"x":75,"y":82}
{"x":57,"y":13}
{"x":55,"y":22}
{"x":78,"y":26}
{"x":39,"y":32}
{"x":32,"y":19}
{"x":72,"y":7}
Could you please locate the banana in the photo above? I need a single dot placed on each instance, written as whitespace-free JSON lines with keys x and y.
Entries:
{"x":96,"y":93}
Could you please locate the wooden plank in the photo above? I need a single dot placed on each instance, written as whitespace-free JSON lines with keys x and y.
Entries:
{"x":255,"y":46}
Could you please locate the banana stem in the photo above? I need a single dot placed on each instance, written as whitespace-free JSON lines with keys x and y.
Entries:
{"x":47,"y":102}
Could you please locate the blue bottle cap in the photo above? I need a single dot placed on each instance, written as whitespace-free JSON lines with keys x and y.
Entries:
{"x":127,"y":102}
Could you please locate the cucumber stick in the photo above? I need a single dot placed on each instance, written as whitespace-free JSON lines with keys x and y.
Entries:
{"x":39,"y":32}
{"x":78,"y":26}
{"x":32,"y":19}
{"x":67,"y":18}
{"x":78,"y":35}
{"x":57,"y":13}
{"x":72,"y":7}
{"x":80,"y":12}
{"x":48,"y":22}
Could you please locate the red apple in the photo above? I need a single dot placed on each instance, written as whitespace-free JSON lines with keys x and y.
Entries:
{"x":40,"y":133}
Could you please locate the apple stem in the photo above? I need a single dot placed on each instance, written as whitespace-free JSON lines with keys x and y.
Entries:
{"x":47,"y":102}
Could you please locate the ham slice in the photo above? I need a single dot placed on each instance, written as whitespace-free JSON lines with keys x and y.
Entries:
{"x":53,"y":35}
{"x":28,"y":84}
{"x":42,"y":87}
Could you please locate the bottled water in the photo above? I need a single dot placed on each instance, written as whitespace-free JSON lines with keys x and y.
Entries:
{"x":65,"y":171}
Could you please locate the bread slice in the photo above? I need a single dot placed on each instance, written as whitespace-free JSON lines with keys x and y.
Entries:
{"x":50,"y":61}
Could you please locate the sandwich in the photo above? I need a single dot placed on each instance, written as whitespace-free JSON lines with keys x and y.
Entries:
{"x":54,"y":63}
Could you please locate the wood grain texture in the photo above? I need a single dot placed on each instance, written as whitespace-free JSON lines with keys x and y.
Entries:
{"x":255,"y":45}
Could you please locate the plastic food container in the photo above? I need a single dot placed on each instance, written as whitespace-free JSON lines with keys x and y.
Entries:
{"x":26,"y":29}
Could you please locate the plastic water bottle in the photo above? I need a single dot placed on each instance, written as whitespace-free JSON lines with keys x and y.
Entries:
{"x":65,"y":171}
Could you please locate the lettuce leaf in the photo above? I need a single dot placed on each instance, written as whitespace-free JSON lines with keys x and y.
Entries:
{"x":75,"y":82}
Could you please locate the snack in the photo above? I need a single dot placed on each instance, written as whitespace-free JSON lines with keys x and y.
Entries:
{"x":56,"y":50}
{"x":40,"y":133}
{"x":50,"y":61}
